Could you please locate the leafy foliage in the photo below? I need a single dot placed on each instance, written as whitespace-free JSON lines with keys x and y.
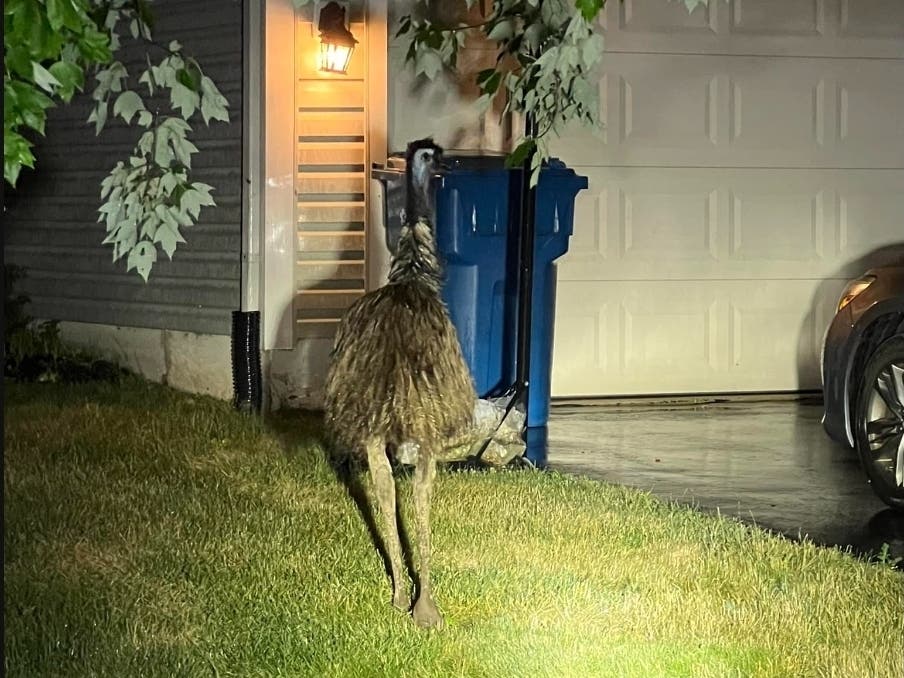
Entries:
{"x":50,"y":47}
{"x":149,"y":198}
{"x":33,"y":351}
{"x":546,"y":54}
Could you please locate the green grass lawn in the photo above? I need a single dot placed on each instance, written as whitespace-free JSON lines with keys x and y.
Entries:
{"x":152,"y":533}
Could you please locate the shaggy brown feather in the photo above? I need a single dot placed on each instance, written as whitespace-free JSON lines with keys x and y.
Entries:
{"x":397,"y":371}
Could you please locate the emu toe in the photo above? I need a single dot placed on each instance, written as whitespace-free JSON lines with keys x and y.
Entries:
{"x":426,"y":614}
{"x":401,"y":601}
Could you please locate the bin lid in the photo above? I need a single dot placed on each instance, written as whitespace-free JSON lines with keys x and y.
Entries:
{"x":462,"y":159}
{"x":458,"y":159}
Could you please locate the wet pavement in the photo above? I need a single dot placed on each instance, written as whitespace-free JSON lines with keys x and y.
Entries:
{"x":764,"y":461}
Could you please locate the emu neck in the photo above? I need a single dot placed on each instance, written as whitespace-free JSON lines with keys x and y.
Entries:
{"x":416,"y":260}
{"x":419,"y":196}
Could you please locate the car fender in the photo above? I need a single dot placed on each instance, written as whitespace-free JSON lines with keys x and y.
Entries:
{"x":874,"y":320}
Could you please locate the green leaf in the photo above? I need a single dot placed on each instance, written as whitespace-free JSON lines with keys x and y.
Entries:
{"x":492,"y":83}
{"x":692,"y":4}
{"x":148,"y":79}
{"x":168,"y":183}
{"x":503,"y":30}
{"x":485,"y":75}
{"x":94,"y":46}
{"x":18,"y":60}
{"x":191,"y":202}
{"x":184,"y":99}
{"x":190,"y":75}
{"x":127,"y":105}
{"x":16,"y":154}
{"x":404,"y":25}
{"x":146,"y":16}
{"x":22,"y":99}
{"x":99,"y":116}
{"x":44,"y":78}
{"x":211,"y":108}
{"x":533,"y":35}
{"x":592,"y":50}
{"x":71,"y":77}
{"x":203,"y":191}
{"x":517,"y":157}
{"x":145,"y":118}
{"x":142,"y":258}
{"x":428,"y":62}
{"x":32,"y":30}
{"x":168,"y":236}
{"x":184,"y":149}
{"x":149,"y":226}
{"x":590,"y":8}
{"x":64,"y":13}
{"x":175,"y":46}
{"x":35,"y":119}
{"x":213,"y":104}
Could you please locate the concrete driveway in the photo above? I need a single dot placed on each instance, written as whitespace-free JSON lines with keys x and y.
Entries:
{"x":764,"y":461}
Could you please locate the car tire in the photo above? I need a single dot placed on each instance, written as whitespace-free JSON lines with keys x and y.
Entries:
{"x":879,"y":422}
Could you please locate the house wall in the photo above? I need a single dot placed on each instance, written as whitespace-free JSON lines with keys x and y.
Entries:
{"x":51,"y":227}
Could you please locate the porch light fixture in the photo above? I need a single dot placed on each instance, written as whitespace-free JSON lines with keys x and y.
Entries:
{"x":336,"y":42}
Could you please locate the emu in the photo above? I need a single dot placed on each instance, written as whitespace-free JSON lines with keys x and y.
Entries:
{"x":397,"y":376}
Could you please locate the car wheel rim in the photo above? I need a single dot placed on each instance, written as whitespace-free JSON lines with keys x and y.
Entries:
{"x":885,"y":424}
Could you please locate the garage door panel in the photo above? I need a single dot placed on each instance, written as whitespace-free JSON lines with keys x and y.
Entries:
{"x":642,"y":17}
{"x":793,"y":18}
{"x":635,"y":327}
{"x":587,"y":335}
{"x":672,"y":110}
{"x":772,"y":332}
{"x":652,"y":325}
{"x":647,"y":220}
{"x":868,"y":121}
{"x":776,"y":225}
{"x":723,"y":111}
{"x":651,"y":337}
{"x":871,"y":19}
{"x":758,"y":88}
{"x":870,"y":222}
{"x":799,"y":28}
{"x":637,"y":224}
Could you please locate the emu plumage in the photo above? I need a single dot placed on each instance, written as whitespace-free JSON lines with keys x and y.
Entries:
{"x":397,"y":376}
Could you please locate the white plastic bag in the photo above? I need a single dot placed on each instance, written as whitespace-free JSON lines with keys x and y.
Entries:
{"x":505,"y":444}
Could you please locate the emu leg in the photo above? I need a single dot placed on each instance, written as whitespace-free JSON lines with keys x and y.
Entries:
{"x":425,"y":612}
{"x":384,"y":488}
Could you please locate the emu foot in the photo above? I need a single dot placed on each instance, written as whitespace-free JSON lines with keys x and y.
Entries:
{"x":426,"y":614}
{"x":401,"y":600}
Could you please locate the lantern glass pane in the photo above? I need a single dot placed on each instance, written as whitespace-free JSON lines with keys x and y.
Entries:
{"x":335,"y":58}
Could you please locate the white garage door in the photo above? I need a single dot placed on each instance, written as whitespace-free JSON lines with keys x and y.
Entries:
{"x":752,"y":161}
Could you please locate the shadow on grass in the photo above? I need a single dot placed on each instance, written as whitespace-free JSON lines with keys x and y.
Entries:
{"x":291,"y":426}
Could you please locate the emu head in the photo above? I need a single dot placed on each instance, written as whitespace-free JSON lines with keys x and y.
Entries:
{"x":423,"y":160}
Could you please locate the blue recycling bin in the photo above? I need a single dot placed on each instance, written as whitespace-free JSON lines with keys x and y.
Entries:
{"x":477,"y":212}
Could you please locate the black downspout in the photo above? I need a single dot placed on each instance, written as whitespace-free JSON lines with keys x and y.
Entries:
{"x":246,"y":361}
{"x":246,"y":325}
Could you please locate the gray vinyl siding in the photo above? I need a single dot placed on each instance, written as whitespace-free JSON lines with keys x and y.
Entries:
{"x":51,"y":226}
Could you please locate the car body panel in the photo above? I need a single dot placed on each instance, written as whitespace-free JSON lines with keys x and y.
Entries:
{"x":849,"y":329}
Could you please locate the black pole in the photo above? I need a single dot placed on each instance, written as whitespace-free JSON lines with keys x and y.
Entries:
{"x":526,"y":270}
{"x":520,"y":390}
